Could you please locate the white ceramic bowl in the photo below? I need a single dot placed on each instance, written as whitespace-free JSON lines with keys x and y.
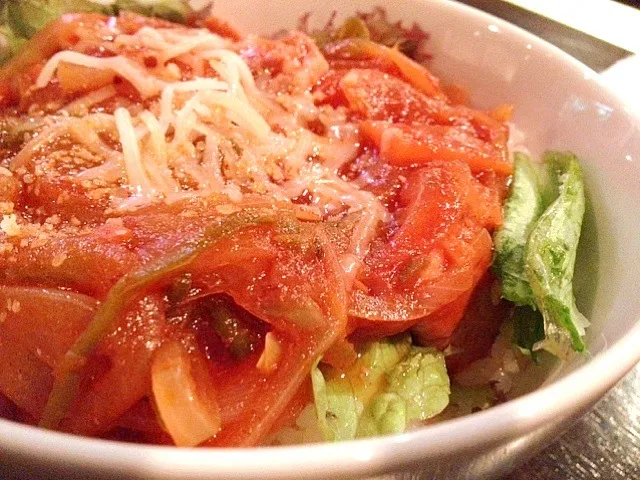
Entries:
{"x":560,"y":104}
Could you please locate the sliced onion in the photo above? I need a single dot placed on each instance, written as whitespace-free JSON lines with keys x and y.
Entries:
{"x":188,"y":409}
{"x":270,"y":357}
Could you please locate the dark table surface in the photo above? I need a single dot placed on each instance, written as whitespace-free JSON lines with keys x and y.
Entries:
{"x":605,"y":443}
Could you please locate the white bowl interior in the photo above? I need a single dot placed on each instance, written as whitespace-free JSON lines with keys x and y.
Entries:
{"x":560,"y":104}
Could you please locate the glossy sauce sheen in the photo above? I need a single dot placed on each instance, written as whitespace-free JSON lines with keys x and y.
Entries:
{"x":309,"y":270}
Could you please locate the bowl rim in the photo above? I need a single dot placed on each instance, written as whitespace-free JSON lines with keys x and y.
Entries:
{"x":357,"y":457}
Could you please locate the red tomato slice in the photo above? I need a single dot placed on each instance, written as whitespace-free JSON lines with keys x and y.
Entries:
{"x":32,"y":340}
{"x":434,"y":198}
{"x":303,"y":299}
{"x":437,"y":328}
{"x":416,"y":74}
{"x":65,"y":199}
{"x":117,"y":375}
{"x":431,"y":260}
{"x":478,"y":327}
{"x":24,"y":321}
{"x":290,"y":64}
{"x":90,"y":264}
{"x":58,"y":35}
{"x":407,"y":145}
{"x":327,"y":90}
{"x":24,"y":378}
{"x":302,"y":398}
{"x":379,"y":96}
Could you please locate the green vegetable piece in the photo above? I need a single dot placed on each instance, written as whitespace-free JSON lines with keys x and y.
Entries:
{"x":468,"y":400}
{"x":172,"y":10}
{"x":21,"y":19}
{"x":125,"y":291}
{"x":528,"y":330}
{"x":26,"y":17}
{"x":386,"y":415}
{"x":10,"y":43}
{"x":391,"y":385}
{"x":353,"y":27}
{"x":230,"y":324}
{"x":337,"y":407}
{"x":340,"y":397}
{"x":521,"y":210}
{"x":551,"y":255}
{"x":421,"y":380}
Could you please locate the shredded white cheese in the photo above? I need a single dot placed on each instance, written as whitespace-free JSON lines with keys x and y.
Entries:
{"x":214,"y":133}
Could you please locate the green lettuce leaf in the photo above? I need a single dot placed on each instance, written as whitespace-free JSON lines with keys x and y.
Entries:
{"x":421,"y":380}
{"x":528,"y":330}
{"x":337,"y":407}
{"x":521,"y":210}
{"x":10,"y":43}
{"x":386,"y":415}
{"x":551,"y":255}
{"x":340,"y":398}
{"x":536,"y":250}
{"x":26,"y":17}
{"x":391,"y":385}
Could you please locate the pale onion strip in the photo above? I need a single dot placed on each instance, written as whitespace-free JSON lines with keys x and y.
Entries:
{"x":365,"y":230}
{"x":268,"y":361}
{"x":146,"y":84}
{"x":189,"y":417}
{"x":38,"y":141}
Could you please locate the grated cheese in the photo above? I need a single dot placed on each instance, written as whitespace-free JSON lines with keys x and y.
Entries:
{"x":197,"y":135}
{"x":9,"y":225}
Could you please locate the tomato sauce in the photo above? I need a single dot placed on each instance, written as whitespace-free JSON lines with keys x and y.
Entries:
{"x":217,"y":280}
